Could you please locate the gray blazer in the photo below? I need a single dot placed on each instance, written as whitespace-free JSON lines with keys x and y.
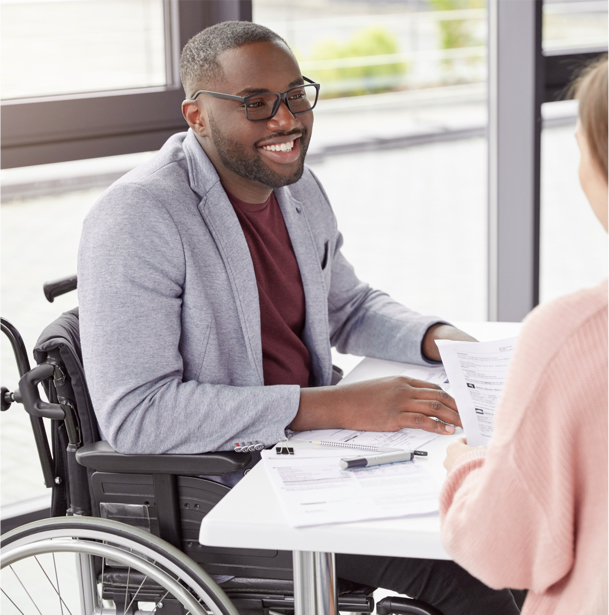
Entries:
{"x":170,"y":318}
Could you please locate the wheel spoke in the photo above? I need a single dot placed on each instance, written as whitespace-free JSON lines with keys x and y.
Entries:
{"x":61,"y":602}
{"x":12,"y":601}
{"x":58,"y":588}
{"x":156,"y":606}
{"x":127,"y":587}
{"x":25,"y":590}
{"x":138,"y":590}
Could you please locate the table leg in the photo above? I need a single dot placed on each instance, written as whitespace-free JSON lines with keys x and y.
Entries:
{"x":314,"y":584}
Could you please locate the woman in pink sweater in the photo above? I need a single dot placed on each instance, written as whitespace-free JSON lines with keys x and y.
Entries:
{"x":531,"y":511}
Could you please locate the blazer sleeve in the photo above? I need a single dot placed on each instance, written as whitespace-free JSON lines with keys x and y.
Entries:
{"x":131,"y":279}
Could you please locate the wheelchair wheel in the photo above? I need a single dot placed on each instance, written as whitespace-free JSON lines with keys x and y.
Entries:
{"x":90,"y":566}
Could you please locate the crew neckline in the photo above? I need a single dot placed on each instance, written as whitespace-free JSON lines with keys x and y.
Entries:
{"x":249,"y":206}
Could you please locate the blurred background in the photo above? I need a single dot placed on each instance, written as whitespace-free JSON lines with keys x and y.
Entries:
{"x":400,"y":144}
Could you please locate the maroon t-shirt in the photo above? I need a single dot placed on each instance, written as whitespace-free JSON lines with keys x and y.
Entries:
{"x":285,"y":358}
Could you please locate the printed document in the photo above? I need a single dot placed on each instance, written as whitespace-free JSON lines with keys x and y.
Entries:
{"x":313,"y":490}
{"x":477,"y":372}
{"x":405,"y":439}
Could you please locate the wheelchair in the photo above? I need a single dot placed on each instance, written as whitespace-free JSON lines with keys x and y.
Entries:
{"x":122,"y":538}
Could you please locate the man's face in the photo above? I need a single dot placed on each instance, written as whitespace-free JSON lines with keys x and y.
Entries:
{"x":243,"y":150}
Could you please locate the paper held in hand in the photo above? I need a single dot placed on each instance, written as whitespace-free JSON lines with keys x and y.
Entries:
{"x":477,"y":372}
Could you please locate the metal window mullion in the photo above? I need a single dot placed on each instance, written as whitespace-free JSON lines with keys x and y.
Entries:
{"x":516,"y":85}
{"x":171,"y":27}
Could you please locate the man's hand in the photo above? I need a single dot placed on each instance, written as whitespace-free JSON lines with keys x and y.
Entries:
{"x":455,"y":450}
{"x":442,"y":332}
{"x":383,"y":404}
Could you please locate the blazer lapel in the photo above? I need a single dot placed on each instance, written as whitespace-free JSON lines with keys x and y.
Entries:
{"x":316,"y":334}
{"x":223,"y":224}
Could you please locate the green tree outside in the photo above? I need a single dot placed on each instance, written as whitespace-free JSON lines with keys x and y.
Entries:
{"x":457,"y":33}
{"x":357,"y":80}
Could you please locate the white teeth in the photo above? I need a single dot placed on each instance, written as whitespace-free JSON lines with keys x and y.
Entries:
{"x":279,"y":147}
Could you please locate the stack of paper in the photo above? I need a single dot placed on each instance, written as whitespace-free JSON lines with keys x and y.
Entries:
{"x":313,"y":490}
{"x":405,"y":439}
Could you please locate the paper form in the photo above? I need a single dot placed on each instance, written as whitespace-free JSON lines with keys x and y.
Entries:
{"x":313,"y":490}
{"x":435,"y":374}
{"x":477,"y":372}
{"x":403,"y":439}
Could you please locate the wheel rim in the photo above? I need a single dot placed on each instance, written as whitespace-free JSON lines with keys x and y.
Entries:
{"x":106,"y":551}
{"x":186,"y":578}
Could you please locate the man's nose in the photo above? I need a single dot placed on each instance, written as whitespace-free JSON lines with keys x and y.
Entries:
{"x":284,"y":119}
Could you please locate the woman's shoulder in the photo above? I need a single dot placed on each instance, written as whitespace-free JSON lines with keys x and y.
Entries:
{"x":556,"y":324}
{"x":570,"y":311}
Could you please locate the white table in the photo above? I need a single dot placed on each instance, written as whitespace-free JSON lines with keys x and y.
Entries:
{"x":263,"y":525}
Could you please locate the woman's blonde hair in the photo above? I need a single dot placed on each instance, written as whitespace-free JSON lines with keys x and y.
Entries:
{"x":590,"y":89}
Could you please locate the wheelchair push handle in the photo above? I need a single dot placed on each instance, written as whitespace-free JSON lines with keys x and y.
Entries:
{"x":55,"y":288}
{"x":30,"y":397}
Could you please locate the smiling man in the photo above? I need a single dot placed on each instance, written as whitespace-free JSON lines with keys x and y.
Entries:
{"x":212,"y":287}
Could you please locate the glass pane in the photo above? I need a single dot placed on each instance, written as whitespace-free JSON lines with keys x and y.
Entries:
{"x":399,"y":139}
{"x":573,"y":242}
{"x":568,"y":23}
{"x":27,"y":227}
{"x":70,"y":46}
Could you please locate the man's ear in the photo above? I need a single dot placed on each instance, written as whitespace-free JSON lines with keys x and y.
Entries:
{"x":195,"y":116}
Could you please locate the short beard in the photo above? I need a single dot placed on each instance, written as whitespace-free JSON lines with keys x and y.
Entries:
{"x":234,"y":158}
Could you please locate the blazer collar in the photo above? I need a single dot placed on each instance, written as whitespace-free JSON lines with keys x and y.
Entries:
{"x":223,"y":224}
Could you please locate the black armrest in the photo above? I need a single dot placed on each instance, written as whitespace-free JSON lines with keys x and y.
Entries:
{"x":102,"y":457}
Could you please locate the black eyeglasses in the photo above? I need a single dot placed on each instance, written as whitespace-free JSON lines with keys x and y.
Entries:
{"x":264,"y":106}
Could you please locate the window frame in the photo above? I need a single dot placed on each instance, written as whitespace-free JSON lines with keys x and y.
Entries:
{"x":521,"y":77}
{"x":51,"y":129}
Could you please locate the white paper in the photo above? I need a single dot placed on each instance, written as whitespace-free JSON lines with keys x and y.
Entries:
{"x":406,"y":439}
{"x":313,"y":490}
{"x":477,"y":372}
{"x":435,"y":374}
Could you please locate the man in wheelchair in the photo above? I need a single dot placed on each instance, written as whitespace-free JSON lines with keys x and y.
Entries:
{"x":212,"y":287}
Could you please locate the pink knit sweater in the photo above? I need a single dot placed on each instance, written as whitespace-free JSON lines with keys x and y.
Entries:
{"x":531,"y":512}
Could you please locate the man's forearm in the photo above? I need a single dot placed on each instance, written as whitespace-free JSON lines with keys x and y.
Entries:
{"x":383,"y":404}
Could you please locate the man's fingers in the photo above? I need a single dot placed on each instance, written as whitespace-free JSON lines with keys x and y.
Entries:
{"x":436,"y":409}
{"x":420,"y":421}
{"x":437,"y":395}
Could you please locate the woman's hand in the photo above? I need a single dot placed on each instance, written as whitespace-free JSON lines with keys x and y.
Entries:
{"x":455,"y":450}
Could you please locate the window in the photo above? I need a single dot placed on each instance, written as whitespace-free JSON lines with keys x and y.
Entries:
{"x":121,"y":45}
{"x":399,"y":140}
{"x":98,"y":116}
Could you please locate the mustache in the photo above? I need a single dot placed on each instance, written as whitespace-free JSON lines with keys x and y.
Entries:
{"x":275,"y":135}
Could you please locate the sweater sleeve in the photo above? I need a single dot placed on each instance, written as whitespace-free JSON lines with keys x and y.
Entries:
{"x":508,"y":517}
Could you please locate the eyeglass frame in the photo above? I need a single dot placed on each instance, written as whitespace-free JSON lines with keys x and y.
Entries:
{"x":281,"y":96}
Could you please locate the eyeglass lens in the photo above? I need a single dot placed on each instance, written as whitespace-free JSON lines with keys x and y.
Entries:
{"x":299,"y":100}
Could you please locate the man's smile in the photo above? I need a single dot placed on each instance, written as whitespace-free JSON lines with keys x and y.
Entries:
{"x":279,"y":147}
{"x":284,"y":150}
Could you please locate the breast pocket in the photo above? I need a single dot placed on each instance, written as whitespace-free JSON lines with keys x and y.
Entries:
{"x":325,"y":258}
{"x":326,"y":265}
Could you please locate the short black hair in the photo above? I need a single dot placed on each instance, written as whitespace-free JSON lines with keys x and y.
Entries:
{"x":199,"y":67}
